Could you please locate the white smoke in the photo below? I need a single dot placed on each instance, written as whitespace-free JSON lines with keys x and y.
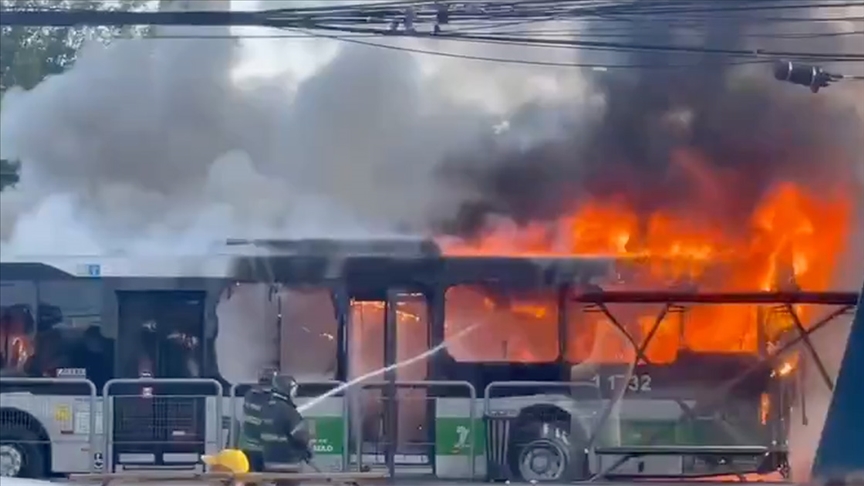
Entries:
{"x":247,"y":339}
{"x":167,"y":143}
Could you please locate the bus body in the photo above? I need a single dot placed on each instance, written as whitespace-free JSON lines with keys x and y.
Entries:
{"x":517,"y":393}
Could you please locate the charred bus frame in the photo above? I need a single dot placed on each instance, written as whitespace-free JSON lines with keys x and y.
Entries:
{"x":389,"y":271}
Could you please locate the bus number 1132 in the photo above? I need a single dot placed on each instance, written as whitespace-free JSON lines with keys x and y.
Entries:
{"x":636,"y":383}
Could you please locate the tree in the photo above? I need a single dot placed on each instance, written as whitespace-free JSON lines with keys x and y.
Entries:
{"x":29,"y":54}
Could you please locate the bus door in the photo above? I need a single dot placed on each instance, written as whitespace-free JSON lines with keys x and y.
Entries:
{"x":408,"y":316}
{"x":396,"y":422}
{"x":160,"y":335}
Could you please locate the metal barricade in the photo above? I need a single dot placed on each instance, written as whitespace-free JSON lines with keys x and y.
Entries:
{"x":39,"y":411}
{"x":500,"y":420}
{"x":328,"y":424}
{"x":160,"y":422}
{"x":408,"y":416}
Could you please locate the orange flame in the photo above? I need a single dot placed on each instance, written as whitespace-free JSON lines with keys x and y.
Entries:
{"x":792,"y":240}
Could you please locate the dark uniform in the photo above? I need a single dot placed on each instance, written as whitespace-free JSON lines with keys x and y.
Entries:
{"x":254,"y":406}
{"x":284,"y":434}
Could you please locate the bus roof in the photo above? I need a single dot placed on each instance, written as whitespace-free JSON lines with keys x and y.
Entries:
{"x":375,"y":263}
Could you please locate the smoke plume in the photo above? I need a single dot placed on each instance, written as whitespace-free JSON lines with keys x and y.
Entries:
{"x":739,"y":129}
{"x":714,"y":137}
{"x":155,"y":145}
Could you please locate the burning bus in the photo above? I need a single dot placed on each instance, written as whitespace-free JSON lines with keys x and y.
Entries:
{"x":548,"y":367}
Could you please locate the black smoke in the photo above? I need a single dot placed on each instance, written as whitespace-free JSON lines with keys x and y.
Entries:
{"x":690,"y":128}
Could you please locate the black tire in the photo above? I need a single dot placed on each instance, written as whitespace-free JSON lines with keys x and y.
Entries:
{"x":552,"y":440}
{"x":29,"y":446}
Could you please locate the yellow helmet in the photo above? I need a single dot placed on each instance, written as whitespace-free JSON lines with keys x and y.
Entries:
{"x":227,"y":460}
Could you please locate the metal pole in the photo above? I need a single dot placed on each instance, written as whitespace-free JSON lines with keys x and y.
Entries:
{"x":390,"y":392}
{"x":353,"y":413}
{"x":344,"y":360}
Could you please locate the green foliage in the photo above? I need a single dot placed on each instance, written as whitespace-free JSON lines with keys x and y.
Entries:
{"x":29,"y":54}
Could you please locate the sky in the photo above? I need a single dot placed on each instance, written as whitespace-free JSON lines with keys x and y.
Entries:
{"x":321,"y":132}
{"x":358,"y":145}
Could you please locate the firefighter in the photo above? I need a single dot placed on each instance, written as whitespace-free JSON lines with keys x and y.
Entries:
{"x":284,"y":435}
{"x":254,"y":405}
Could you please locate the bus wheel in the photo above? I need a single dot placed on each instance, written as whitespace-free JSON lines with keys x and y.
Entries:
{"x":21,"y":454}
{"x":546,"y":455}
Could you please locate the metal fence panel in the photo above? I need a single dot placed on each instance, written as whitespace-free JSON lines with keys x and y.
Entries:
{"x":55,"y":406}
{"x":320,"y":421}
{"x":160,"y":418}
{"x":372,"y":418}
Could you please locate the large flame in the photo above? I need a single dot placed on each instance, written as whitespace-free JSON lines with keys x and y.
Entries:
{"x":792,"y":240}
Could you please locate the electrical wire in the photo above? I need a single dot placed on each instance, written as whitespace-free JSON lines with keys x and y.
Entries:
{"x":359,"y":20}
{"x":525,"y":62}
{"x":561,"y":33}
{"x":609,"y":46}
{"x":524,"y":9}
{"x":654,"y":8}
{"x":619,"y":33}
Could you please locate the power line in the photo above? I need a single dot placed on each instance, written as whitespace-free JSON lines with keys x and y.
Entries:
{"x":526,"y":62}
{"x":552,"y":32}
{"x":606,"y":46}
{"x":290,"y":19}
{"x":364,"y":12}
{"x":356,"y":39}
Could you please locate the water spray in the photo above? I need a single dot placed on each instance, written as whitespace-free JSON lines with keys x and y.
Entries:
{"x":339,"y":389}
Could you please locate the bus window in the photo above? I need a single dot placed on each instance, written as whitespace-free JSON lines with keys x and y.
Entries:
{"x":412,"y":337}
{"x":59,"y":331}
{"x":247,"y":336}
{"x":17,"y":326}
{"x":367,"y":336}
{"x":70,"y":304}
{"x":483,"y":325}
{"x":160,"y":333}
{"x":70,"y":330}
{"x":593,"y":338}
{"x":265,"y":326}
{"x":64,"y":348}
{"x":308,"y":333}
{"x":16,"y":340}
